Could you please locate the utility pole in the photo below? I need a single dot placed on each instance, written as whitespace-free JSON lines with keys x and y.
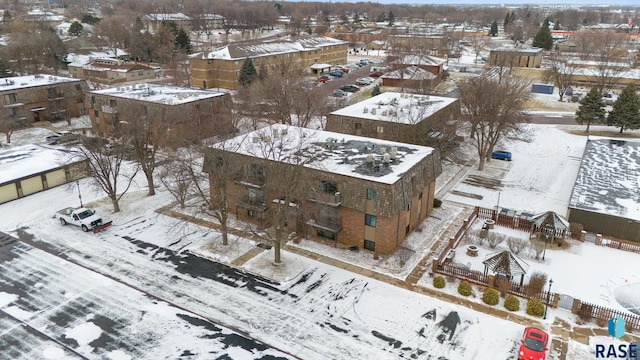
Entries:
{"x":79,"y":194}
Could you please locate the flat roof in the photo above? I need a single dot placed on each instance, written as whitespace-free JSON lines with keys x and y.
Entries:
{"x":21,"y":82}
{"x":26,"y":160}
{"x":342,"y":154}
{"x":609,"y":178}
{"x":396,"y":107}
{"x":156,"y":93}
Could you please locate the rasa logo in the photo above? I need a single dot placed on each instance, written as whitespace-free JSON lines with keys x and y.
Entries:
{"x":621,"y":351}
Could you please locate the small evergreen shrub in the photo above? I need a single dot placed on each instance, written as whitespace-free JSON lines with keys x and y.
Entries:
{"x":491,"y":296}
{"x":437,"y":203}
{"x":512,"y":303}
{"x":438,"y":282}
{"x":535,"y":307}
{"x":464,"y":288}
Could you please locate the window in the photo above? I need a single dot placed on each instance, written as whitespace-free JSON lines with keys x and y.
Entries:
{"x":420,"y":195}
{"x":358,"y":126}
{"x":408,"y":206}
{"x":328,"y":186}
{"x":78,"y":87}
{"x":406,"y":231}
{"x":95,"y":112}
{"x":370,"y":220}
{"x":326,"y":234}
{"x":370,"y":245}
{"x":9,"y":99}
{"x":80,"y":101}
{"x":113,"y":103}
{"x":372,"y":194}
{"x":255,"y":172}
{"x":380,"y":129}
{"x":93,"y":99}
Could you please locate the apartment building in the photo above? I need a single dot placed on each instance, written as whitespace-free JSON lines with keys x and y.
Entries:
{"x":408,"y":118}
{"x":220,"y":68}
{"x":349,"y":191}
{"x":516,"y":57}
{"x":33,"y":98}
{"x":182,"y":114}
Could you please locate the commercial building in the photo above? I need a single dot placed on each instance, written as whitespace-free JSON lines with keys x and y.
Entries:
{"x":349,"y":191}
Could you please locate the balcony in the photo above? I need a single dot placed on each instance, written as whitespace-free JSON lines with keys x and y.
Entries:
{"x":332,"y":225}
{"x":55,"y":96}
{"x":326,"y":198}
{"x":109,"y":110}
{"x":251,"y":203}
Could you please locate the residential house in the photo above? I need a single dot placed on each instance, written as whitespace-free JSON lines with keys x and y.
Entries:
{"x":352,"y":191}
{"x":111,"y":71}
{"x":182,"y":114}
{"x":220,"y":68}
{"x":39,"y":97}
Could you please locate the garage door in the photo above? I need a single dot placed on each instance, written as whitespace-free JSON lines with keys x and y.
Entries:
{"x":56,"y":178}
{"x":31,"y":185}
{"x":8,"y":193}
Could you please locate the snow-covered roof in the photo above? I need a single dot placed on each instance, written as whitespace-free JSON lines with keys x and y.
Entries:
{"x":162,"y":94}
{"x":420,"y":60}
{"x":609,"y":178}
{"x":27,"y":160}
{"x":396,"y":107}
{"x":506,"y":263}
{"x":167,"y":17}
{"x":78,"y":60}
{"x":21,"y":82}
{"x":332,"y":152}
{"x":409,"y":73}
{"x":520,"y":50}
{"x":242,"y":51}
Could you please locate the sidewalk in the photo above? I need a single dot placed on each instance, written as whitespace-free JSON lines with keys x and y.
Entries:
{"x":562,"y":331}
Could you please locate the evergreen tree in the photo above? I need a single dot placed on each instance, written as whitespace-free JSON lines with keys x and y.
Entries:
{"x":75,"y":29}
{"x":543,"y":38}
{"x":626,"y":110}
{"x":494,"y":29}
{"x":591,"y":109}
{"x":4,"y":69}
{"x":391,"y":18}
{"x":90,"y":19}
{"x":182,"y":41}
{"x":375,"y":91}
{"x":248,"y":73}
{"x":508,"y":19}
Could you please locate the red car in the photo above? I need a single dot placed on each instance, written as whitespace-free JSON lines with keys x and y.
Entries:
{"x":533,"y":344}
{"x":323,"y":80}
{"x":376,"y":74}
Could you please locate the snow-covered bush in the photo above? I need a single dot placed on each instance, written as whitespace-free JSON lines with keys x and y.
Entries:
{"x":491,"y":296}
{"x":512,"y":303}
{"x":464,"y":288}
{"x":439,"y":282}
{"x":516,"y":245}
{"x":536,"y":284}
{"x":535,"y":307}
{"x":495,"y":239}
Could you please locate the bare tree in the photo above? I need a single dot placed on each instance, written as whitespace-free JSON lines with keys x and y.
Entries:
{"x":562,"y":69}
{"x":12,"y":118}
{"x":494,"y":107}
{"x":606,"y":49}
{"x":516,"y":245}
{"x":107,"y":168}
{"x":176,"y":176}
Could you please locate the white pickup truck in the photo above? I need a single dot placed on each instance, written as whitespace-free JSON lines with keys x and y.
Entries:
{"x":85,"y":218}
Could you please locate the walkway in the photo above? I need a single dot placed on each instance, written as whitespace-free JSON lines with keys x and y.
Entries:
{"x":561,"y":330}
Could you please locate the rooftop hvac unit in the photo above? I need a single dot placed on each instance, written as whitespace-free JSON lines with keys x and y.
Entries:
{"x":383,"y":149}
{"x":369,"y":159}
{"x":386,"y":158}
{"x":365,"y":110}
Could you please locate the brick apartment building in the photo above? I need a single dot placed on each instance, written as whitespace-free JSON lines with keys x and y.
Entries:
{"x":34,"y":98}
{"x":111,"y":71}
{"x":353,"y":192}
{"x":516,"y":57}
{"x":408,"y":118}
{"x":181,"y":113}
{"x":220,"y":68}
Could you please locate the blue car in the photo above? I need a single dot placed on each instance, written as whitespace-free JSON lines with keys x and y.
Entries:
{"x":337,"y":73}
{"x":501,"y":155}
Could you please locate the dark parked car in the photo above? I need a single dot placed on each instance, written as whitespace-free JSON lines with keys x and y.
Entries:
{"x":340,"y":93}
{"x":337,"y":73}
{"x":350,"y":88}
{"x":501,"y":155}
{"x":376,"y":74}
{"x":533,"y":344}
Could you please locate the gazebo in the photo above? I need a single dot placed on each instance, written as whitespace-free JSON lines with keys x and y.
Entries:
{"x":506,"y":264}
{"x":550,"y":224}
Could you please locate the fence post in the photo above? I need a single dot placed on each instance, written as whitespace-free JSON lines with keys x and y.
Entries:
{"x":598,"y":239}
{"x":434,"y":265}
{"x":491,"y":281}
{"x":575,"y":306}
{"x":452,"y":240}
{"x":554,"y":300}
{"x":465,"y":224}
{"x":583,"y":234}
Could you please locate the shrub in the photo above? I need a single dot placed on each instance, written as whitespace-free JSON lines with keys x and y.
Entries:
{"x":375,"y":91}
{"x":495,"y":239}
{"x":535,"y":307}
{"x":491,"y":296}
{"x":536,"y":283}
{"x":512,"y":303}
{"x":575,"y":229}
{"x":438,"y":282}
{"x":516,"y":245}
{"x":464,"y":288}
{"x":437,"y":203}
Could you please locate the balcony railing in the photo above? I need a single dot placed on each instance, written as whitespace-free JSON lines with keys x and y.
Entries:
{"x":252,"y":203}
{"x":333,"y":225}
{"x":325,"y":198}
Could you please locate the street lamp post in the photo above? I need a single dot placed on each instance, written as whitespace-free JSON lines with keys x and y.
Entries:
{"x":544,"y":252}
{"x":79,"y":194}
{"x":546,"y":306}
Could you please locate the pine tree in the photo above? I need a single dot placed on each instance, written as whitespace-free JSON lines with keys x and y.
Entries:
{"x":75,"y":29}
{"x":543,"y":38}
{"x":182,"y":41}
{"x":494,"y":29}
{"x":391,"y":18}
{"x":626,"y":110}
{"x":591,"y":109}
{"x":248,"y":73}
{"x":375,"y":91}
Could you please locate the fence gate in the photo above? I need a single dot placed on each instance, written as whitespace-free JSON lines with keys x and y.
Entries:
{"x":565,"y":302}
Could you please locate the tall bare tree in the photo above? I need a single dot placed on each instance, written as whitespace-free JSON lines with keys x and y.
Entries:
{"x":562,"y":70}
{"x":606,"y":49}
{"x":494,"y":106}
{"x":12,"y":118}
